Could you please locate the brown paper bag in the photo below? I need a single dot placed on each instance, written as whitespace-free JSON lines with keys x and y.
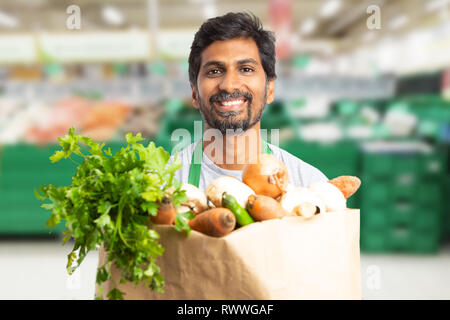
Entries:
{"x":291,"y":258}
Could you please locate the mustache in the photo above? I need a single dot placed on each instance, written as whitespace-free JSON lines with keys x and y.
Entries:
{"x":223,"y":95}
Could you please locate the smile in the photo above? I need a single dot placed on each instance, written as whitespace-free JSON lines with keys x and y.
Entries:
{"x":231,"y":105}
{"x":232,"y":102}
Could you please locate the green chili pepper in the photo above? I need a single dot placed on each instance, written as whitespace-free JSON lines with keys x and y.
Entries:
{"x":242,"y":216}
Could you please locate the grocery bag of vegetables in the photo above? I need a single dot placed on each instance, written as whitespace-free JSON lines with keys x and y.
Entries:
{"x":288,"y":258}
{"x":263,"y":239}
{"x":258,"y":238}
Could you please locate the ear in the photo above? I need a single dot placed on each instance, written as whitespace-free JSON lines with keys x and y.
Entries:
{"x":270,"y":91}
{"x":194,"y":96}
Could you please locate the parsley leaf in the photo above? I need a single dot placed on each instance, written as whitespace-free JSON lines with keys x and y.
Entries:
{"x":181,"y":221}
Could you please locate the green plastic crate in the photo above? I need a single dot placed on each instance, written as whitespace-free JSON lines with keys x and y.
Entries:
{"x":375,"y":192}
{"x":428,"y":219}
{"x":375,"y":218}
{"x":430,"y":193}
{"x":378,"y":165}
{"x":405,"y":163}
{"x":354,"y":201}
{"x":276,"y":116}
{"x":23,"y":169}
{"x":400,"y":239}
{"x":19,"y":218}
{"x":446,"y":212}
{"x":374,"y":242}
{"x":425,"y":242}
{"x":434,"y":165}
{"x":332,"y":159}
{"x":387,"y":164}
{"x":398,"y":230}
{"x":402,"y":199}
{"x":181,"y":119}
{"x":401,"y":190}
{"x":402,"y":213}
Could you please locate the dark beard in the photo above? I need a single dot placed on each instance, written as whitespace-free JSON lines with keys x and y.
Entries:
{"x":230,"y":121}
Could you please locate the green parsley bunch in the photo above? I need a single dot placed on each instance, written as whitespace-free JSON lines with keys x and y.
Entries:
{"x":110,"y":202}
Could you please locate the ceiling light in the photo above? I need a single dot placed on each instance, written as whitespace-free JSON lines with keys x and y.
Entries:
{"x":308,"y":26}
{"x":8,"y":21}
{"x":436,"y":5}
{"x":209,"y":7}
{"x":112,"y":15}
{"x":330,"y":8}
{"x":398,"y":22}
{"x":209,"y":10}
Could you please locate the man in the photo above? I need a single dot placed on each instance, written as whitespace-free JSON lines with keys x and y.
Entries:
{"x":232,"y":74}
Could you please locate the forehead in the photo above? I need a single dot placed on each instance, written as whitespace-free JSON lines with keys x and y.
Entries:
{"x":230,"y":51}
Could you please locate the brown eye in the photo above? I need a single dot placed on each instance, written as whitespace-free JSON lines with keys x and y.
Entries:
{"x":213,"y":72}
{"x":247,"y":69}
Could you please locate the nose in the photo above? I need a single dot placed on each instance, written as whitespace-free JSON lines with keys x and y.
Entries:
{"x":230,"y":82}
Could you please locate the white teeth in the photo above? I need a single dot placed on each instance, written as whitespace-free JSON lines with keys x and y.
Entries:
{"x":231,"y":103}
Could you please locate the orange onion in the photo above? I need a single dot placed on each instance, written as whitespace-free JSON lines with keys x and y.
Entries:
{"x":269,"y":176}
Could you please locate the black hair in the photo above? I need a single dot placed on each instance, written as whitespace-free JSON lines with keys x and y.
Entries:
{"x":231,"y":26}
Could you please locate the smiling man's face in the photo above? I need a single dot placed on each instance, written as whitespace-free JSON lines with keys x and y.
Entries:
{"x":232,"y":90}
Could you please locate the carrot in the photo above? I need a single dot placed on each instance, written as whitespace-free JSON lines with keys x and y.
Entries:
{"x":347,"y":184}
{"x":166,"y":212}
{"x":216,"y":222}
{"x":263,"y":208}
{"x":306,"y":209}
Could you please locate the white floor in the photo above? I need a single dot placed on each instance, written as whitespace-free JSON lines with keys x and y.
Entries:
{"x":35,"y":269}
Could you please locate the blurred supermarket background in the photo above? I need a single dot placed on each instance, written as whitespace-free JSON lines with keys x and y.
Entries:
{"x":363,"y":89}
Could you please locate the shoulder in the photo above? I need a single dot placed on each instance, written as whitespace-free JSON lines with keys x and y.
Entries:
{"x":300,"y":172}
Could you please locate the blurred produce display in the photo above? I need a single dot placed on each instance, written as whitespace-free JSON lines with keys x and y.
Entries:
{"x":40,"y":123}
{"x":143,"y":119}
{"x":403,"y":188}
{"x":348,"y":100}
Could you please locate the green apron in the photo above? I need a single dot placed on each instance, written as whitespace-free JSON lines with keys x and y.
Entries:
{"x":196,"y":168}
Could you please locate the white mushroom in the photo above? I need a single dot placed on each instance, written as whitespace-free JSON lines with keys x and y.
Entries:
{"x":331,"y":196}
{"x":298,"y":196}
{"x":230,"y":185}
{"x":305,"y":209}
{"x":197,"y":201}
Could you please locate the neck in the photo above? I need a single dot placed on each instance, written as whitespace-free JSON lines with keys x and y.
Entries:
{"x":232,"y":151}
